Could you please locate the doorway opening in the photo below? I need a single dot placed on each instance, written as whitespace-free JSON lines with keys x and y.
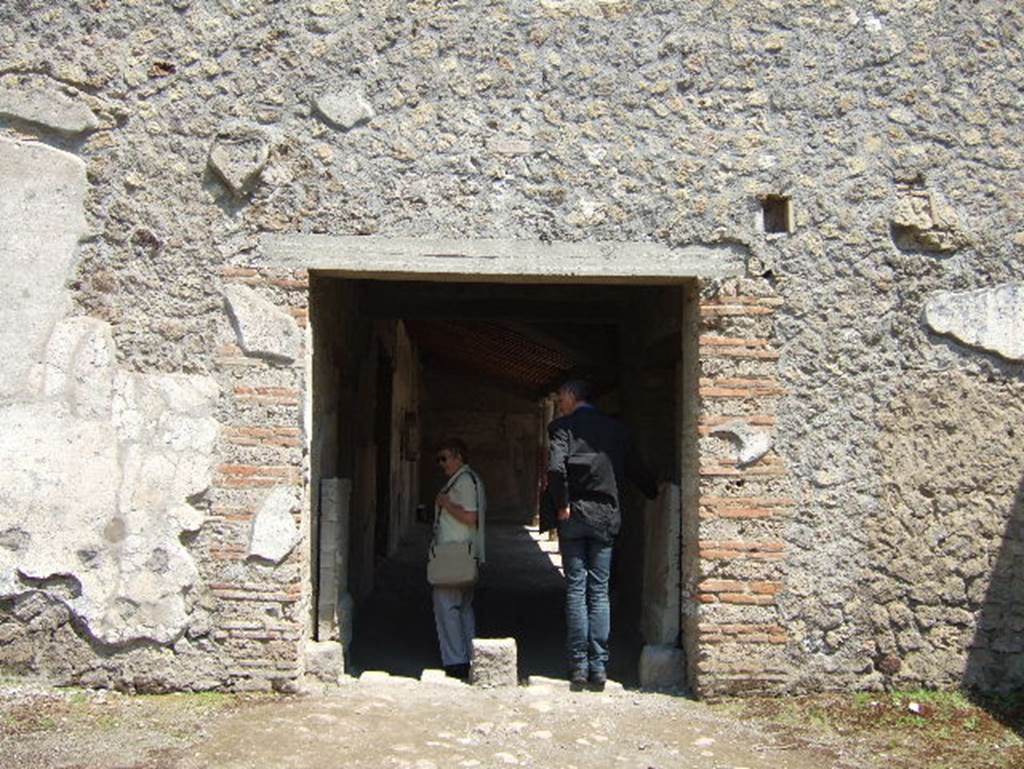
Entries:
{"x":398,"y":366}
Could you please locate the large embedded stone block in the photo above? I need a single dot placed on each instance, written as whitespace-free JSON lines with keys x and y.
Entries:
{"x":238,"y":157}
{"x":662,"y":667}
{"x":38,"y":101}
{"x":924,"y":222}
{"x":991,"y":319}
{"x":751,"y":444}
{"x":345,"y":109}
{"x":79,"y":366}
{"x":263,"y":330}
{"x":274,"y":532}
{"x":494,"y":662}
{"x":42,"y":193}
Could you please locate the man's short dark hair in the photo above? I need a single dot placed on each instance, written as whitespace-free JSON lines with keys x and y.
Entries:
{"x":455,"y":446}
{"x":580,"y":389}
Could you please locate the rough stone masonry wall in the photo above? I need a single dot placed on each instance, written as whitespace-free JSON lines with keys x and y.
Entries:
{"x":187,"y":128}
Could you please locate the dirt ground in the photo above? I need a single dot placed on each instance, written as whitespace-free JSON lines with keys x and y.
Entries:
{"x":380,"y":720}
{"x":383,"y":723}
{"x":394,"y":722}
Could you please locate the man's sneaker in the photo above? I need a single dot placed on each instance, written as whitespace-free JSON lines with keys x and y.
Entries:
{"x":578,"y":678}
{"x":598,"y":678}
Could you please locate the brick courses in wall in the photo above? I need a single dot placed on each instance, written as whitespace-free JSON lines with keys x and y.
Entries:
{"x":259,"y":612}
{"x":740,"y":549}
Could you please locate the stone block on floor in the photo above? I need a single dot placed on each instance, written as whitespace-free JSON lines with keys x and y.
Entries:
{"x":382,"y":677}
{"x":325,"y":660}
{"x":662,"y":667}
{"x":439,"y":678}
{"x":494,"y":662}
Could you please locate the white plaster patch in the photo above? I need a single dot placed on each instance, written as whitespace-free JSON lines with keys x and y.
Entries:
{"x":262,"y":329}
{"x":79,"y":367}
{"x":991,"y":319}
{"x":95,"y":479}
{"x":274,"y":532}
{"x":753,"y":444}
{"x":42,"y":193}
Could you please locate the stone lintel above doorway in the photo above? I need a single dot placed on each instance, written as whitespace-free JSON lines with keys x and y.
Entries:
{"x":502,"y":260}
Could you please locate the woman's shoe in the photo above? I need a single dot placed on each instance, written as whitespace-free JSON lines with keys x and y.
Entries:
{"x":460,"y":671}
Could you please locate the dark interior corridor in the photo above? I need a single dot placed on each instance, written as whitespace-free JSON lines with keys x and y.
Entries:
{"x":480,"y":362}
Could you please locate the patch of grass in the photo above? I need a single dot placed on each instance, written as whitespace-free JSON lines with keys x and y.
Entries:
{"x":27,"y":721}
{"x":78,"y":697}
{"x":941,"y":699}
{"x":916,"y":722}
{"x":912,"y":728}
{"x":107,"y":722}
{"x":199,"y":699}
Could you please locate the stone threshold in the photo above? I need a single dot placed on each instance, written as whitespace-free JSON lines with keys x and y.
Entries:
{"x":437,"y":677}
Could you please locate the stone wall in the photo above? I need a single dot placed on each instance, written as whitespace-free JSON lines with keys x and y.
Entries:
{"x":880,"y":539}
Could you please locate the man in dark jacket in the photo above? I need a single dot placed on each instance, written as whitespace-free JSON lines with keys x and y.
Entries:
{"x":591,"y":456}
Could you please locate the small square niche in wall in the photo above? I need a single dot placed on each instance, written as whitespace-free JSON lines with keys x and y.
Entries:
{"x":776,"y":213}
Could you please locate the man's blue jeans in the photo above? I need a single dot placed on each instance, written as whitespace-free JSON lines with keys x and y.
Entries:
{"x":587,"y":563}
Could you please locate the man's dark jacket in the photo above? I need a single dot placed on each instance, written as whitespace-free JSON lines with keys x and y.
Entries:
{"x":591,"y":455}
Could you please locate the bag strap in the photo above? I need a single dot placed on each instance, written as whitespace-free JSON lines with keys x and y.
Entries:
{"x":445,"y":489}
{"x":467,"y":470}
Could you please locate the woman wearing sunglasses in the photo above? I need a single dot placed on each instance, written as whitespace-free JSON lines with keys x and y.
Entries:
{"x":458,"y":517}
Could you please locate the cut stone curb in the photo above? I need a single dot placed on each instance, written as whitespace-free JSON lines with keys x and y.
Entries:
{"x":383,"y":677}
{"x":542,"y":685}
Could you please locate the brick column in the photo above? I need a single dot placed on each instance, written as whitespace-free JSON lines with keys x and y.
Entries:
{"x":739,"y":555}
{"x":259,"y":607}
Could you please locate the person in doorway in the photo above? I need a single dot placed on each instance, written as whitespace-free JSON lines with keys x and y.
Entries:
{"x":591,"y":455}
{"x":459,"y":510}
